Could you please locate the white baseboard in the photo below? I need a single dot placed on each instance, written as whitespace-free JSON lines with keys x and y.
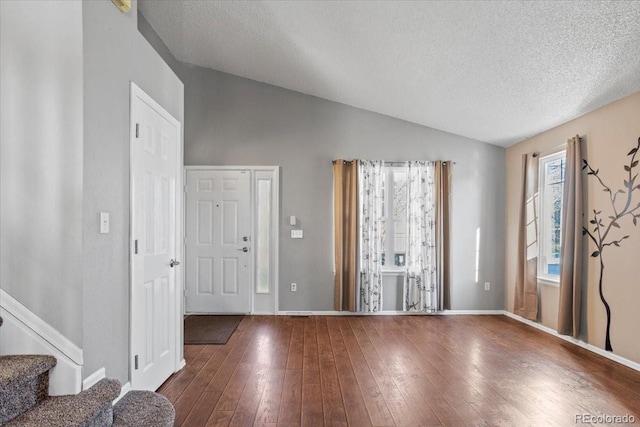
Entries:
{"x":599,"y":351}
{"x":471,"y":312}
{"x":124,"y":390}
{"x":181,"y":365}
{"x":40,"y":327}
{"x":23,"y":332}
{"x":607,"y":354}
{"x":92,"y":379}
{"x":388,"y":313}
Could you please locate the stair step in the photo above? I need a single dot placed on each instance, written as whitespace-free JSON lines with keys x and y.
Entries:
{"x":90,"y":408}
{"x":24,"y":382}
{"x":143,"y":409}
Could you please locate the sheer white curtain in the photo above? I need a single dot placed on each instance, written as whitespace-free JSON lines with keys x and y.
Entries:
{"x":371,"y":239}
{"x":421,"y":290}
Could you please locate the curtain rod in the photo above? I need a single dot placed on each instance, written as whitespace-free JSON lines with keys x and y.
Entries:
{"x":390,"y":163}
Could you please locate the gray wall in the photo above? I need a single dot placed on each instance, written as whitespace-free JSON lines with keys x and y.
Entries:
{"x":230,"y":120}
{"x":235,"y":121}
{"x":41,"y":160}
{"x":114,"y":54}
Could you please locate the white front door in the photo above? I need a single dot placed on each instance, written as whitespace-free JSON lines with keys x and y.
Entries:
{"x":219,"y":245}
{"x":155,"y":171}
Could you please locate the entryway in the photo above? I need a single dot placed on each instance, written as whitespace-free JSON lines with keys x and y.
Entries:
{"x":231,"y":241}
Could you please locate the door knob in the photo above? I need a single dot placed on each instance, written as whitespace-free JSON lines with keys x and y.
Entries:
{"x":245,"y":238}
{"x":245,"y":249}
{"x":173,"y":263}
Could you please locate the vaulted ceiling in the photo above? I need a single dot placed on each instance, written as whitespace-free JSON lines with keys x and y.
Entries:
{"x":495,"y":71}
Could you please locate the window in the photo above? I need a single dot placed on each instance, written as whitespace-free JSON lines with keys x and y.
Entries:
{"x":552,"y":169}
{"x":394,"y":220}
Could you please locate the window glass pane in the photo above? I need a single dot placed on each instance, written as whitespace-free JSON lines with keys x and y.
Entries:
{"x":383,"y":225}
{"x":384,"y":193}
{"x":399,"y":242}
{"x":399,"y":195}
{"x":263,"y":241}
{"x":551,"y":214}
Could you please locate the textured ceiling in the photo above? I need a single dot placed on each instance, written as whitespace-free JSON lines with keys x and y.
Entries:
{"x":498,"y":71}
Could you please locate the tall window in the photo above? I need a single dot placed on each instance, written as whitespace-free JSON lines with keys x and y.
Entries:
{"x":552,"y":169}
{"x":398,"y":211}
{"x":394,"y":220}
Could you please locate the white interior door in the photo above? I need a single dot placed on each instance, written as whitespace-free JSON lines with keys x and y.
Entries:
{"x":155,"y":173}
{"x":218,"y":245}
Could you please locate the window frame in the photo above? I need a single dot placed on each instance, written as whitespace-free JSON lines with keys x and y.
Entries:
{"x":389,"y":220}
{"x":543,"y":278}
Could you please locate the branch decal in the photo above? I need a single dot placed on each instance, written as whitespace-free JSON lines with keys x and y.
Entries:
{"x":622,"y":205}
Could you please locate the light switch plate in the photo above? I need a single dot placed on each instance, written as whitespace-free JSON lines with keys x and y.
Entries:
{"x":104,"y":222}
{"x":296,"y":234}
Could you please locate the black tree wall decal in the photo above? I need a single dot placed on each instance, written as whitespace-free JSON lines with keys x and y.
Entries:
{"x":622,"y":207}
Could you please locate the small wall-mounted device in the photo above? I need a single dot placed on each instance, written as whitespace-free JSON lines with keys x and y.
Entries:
{"x":292,"y":220}
{"x":296,"y":234}
{"x":104,"y":222}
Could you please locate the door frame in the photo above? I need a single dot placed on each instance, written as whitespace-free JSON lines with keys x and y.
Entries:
{"x":275,"y":226}
{"x":136,"y":92}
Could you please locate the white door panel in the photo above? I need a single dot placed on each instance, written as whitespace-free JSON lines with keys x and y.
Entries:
{"x":154,"y":175}
{"x":219,"y":253}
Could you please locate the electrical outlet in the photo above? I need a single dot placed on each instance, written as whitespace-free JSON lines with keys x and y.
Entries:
{"x":487,"y":286}
{"x":294,"y":287}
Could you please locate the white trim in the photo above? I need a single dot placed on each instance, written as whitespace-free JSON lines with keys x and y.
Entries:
{"x":124,"y":390}
{"x":471,"y":312}
{"x":542,"y":280}
{"x":182,"y":364}
{"x":392,"y":273}
{"x":276,"y":240}
{"x":389,"y":313}
{"x":546,"y":279}
{"x":40,"y":327}
{"x":92,"y":379}
{"x":275,"y":206}
{"x":23,"y":332}
{"x":607,"y":354}
{"x":231,"y":168}
{"x":136,"y":92}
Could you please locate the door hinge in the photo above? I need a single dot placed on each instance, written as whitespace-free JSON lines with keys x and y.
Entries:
{"x":135,"y":246}
{"x":135,"y":361}
{"x":137,"y":130}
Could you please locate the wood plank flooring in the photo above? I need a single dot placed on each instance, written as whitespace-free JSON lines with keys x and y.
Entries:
{"x":396,"y":371}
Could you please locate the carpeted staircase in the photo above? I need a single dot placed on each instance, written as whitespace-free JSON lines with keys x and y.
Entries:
{"x":24,"y":400}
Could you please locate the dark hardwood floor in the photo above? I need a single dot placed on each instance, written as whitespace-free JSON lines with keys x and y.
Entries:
{"x":396,"y":370}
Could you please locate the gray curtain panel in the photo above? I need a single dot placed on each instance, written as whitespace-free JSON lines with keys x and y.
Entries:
{"x":443,"y":196}
{"x":571,"y":250}
{"x":526,"y":294}
{"x":345,"y":210}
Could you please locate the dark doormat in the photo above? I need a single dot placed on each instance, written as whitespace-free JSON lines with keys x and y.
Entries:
{"x":209,"y":329}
